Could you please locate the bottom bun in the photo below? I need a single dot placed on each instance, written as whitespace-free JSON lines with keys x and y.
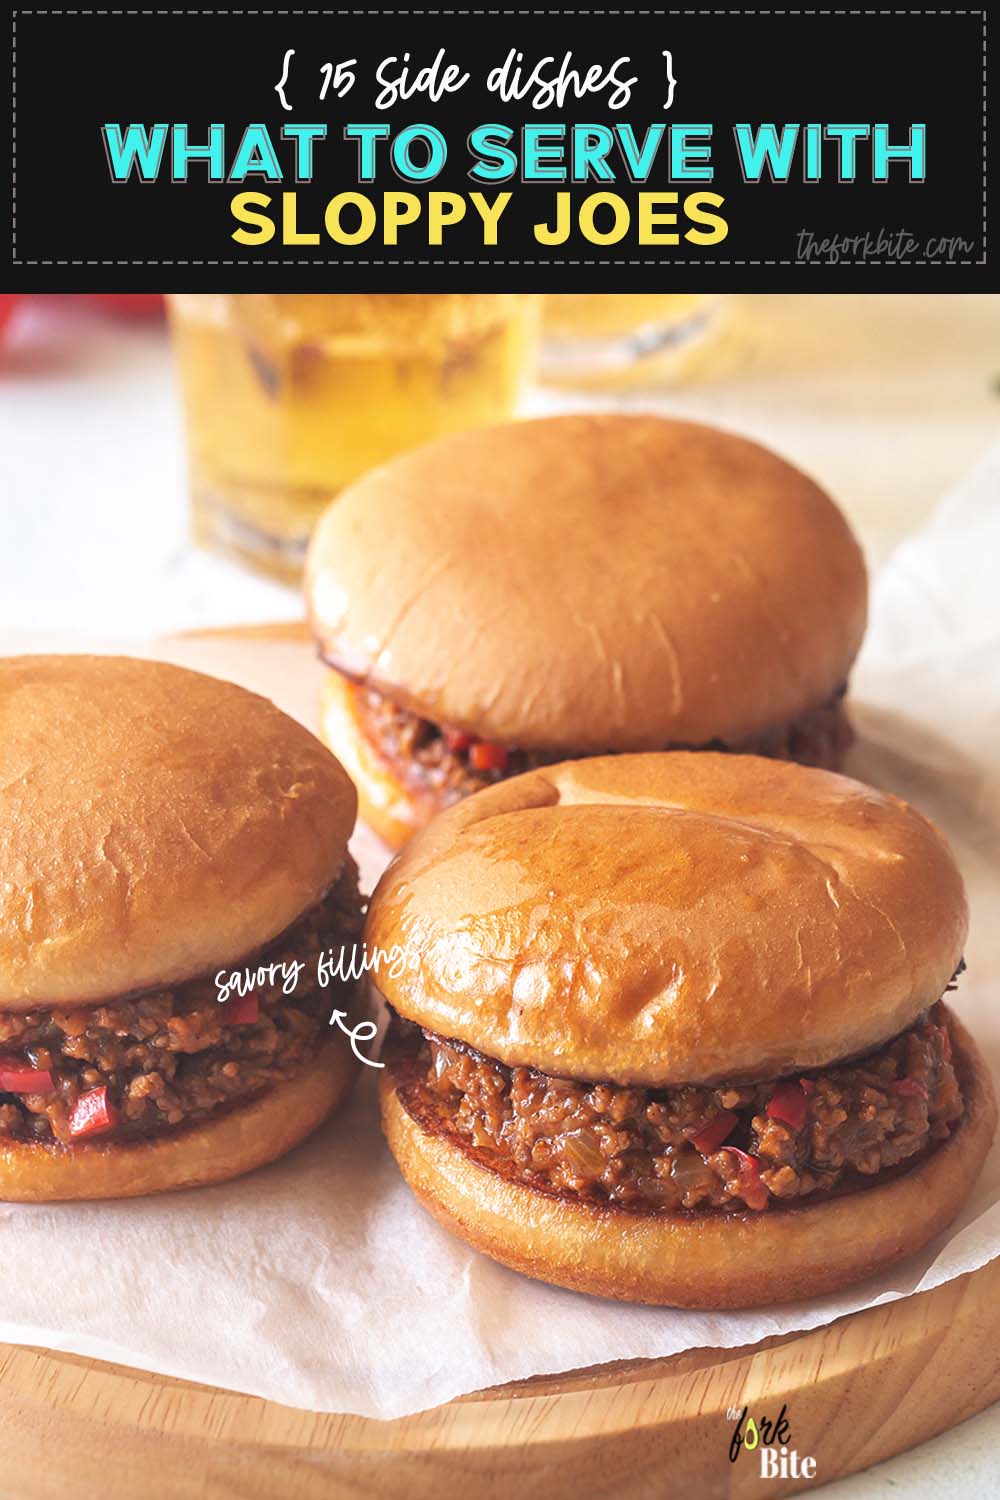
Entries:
{"x":710,"y":1260}
{"x":383,"y":801}
{"x":245,"y":1137}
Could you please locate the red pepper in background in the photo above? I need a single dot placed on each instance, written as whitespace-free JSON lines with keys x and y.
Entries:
{"x":457,"y":740}
{"x":8,"y":302}
{"x":131,"y":304}
{"x":19,"y":1077}
{"x":241,"y":1010}
{"x":711,"y":1136}
{"x":93,"y":1114}
{"x":788,"y":1104}
{"x":486,"y":757}
{"x":912,"y":1087}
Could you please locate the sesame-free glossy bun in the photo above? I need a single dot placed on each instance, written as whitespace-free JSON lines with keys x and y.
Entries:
{"x":673,"y":918}
{"x":155,"y":825}
{"x":223,"y":1146}
{"x":711,"y":1259}
{"x":591,"y":583}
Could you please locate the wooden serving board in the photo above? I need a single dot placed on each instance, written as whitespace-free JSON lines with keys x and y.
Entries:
{"x":856,"y":1392}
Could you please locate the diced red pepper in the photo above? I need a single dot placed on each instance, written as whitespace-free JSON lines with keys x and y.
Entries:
{"x":93,"y":1114}
{"x":711,"y":1136}
{"x":751,"y":1185}
{"x":808,"y":1085}
{"x":457,"y":740}
{"x":912,"y":1087}
{"x":241,"y":1010}
{"x":788,"y":1104}
{"x":749,"y":1164}
{"x":486,"y":757}
{"x":19,"y":1077}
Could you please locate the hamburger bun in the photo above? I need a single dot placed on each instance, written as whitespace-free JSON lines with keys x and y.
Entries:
{"x":713,"y":1259}
{"x":155,"y":824}
{"x":226,"y":1145}
{"x":657,"y":920}
{"x":591,"y":583}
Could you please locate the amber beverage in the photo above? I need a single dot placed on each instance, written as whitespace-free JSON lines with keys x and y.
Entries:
{"x":289,"y":398}
{"x":623,"y":339}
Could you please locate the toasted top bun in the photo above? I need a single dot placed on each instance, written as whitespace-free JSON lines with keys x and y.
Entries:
{"x":155,"y":824}
{"x":591,"y":583}
{"x":673,"y":918}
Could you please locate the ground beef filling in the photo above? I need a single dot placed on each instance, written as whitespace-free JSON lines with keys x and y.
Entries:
{"x":688,"y":1147}
{"x":170,"y":1057}
{"x":444,"y":765}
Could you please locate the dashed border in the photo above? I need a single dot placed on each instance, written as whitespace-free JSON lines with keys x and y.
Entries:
{"x":489,"y":13}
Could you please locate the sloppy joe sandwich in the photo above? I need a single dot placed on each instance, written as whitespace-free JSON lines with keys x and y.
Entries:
{"x":170,"y":846}
{"x":578,"y":585}
{"x":672,"y":1029}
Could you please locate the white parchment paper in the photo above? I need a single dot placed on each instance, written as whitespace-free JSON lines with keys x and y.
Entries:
{"x":320,"y":1283}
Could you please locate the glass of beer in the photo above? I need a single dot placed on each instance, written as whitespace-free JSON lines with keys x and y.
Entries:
{"x":621,"y":338}
{"x":288,"y":398}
